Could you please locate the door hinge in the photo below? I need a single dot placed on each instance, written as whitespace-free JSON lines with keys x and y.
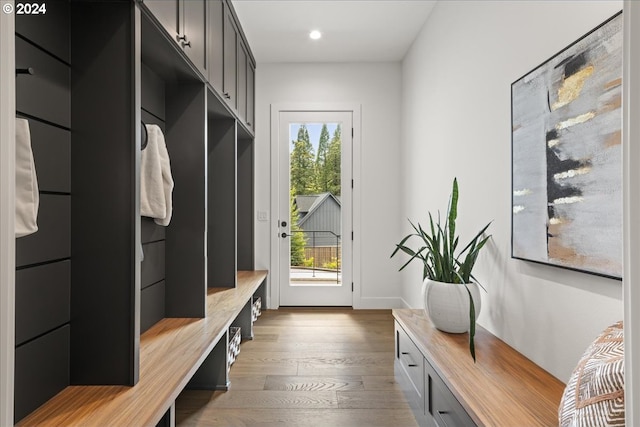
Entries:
{"x":351,"y":286}
{"x":351,"y":183}
{"x":351,"y":132}
{"x":352,"y":235}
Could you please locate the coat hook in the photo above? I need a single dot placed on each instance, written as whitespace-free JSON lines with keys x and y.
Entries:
{"x":29,"y":71}
{"x":145,"y":136}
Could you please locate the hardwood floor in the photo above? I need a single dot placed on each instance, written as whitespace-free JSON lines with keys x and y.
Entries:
{"x":308,"y":367}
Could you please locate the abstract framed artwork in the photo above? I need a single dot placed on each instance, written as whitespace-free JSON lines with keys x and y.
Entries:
{"x":566,"y":118}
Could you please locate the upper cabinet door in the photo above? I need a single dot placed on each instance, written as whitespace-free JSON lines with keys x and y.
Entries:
{"x":251,"y":72}
{"x":166,"y":11}
{"x":215,"y":44}
{"x":229,"y":89}
{"x":192,"y":35}
{"x":242,"y":81}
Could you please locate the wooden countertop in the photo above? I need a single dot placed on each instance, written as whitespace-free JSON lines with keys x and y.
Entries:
{"x":170,"y":353}
{"x":503,"y":388}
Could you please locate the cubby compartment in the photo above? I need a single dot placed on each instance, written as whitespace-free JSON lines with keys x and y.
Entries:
{"x":222,"y":195}
{"x":186,"y":276}
{"x":245,"y":208}
{"x":174,"y":98}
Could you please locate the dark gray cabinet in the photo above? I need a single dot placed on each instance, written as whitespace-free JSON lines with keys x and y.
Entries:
{"x":431,"y":401}
{"x":251,"y":73}
{"x":246,"y":84}
{"x":242,"y":82}
{"x":409,"y":372}
{"x":215,"y":44}
{"x":238,"y":71}
{"x":185,"y":21}
{"x":210,"y":35}
{"x":192,"y":32}
{"x":230,"y":55}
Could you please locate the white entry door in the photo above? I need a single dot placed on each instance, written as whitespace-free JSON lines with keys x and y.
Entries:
{"x":315,"y":208}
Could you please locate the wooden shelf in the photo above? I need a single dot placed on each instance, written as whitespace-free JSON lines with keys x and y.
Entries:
{"x":170,"y":353}
{"x":502,"y":388}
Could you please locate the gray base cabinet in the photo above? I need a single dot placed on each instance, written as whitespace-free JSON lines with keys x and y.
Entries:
{"x":432,"y":403}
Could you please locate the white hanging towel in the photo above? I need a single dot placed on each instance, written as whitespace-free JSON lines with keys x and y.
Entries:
{"x":27,"y":196}
{"x":156,"y":183}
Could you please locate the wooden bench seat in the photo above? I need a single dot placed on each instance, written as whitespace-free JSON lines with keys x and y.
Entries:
{"x":170,"y":353}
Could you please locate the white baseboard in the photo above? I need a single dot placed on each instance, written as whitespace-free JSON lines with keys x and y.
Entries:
{"x":379,"y":303}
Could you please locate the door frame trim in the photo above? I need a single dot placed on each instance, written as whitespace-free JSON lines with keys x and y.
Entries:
{"x":273,"y":294}
{"x":7,"y":215}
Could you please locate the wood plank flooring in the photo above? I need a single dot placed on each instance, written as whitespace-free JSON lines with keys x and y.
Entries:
{"x":308,"y":367}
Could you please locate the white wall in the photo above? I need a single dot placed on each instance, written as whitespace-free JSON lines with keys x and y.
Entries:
{"x":376,"y":87}
{"x":456,"y":122}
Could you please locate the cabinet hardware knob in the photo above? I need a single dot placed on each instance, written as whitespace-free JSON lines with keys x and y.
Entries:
{"x":283,"y":224}
{"x":186,"y":44}
{"x":181,"y":37}
{"x":226,"y":95}
{"x":248,"y":123}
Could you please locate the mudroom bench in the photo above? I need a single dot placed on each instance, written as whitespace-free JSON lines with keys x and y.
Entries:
{"x":446,"y":388}
{"x":175,"y":353}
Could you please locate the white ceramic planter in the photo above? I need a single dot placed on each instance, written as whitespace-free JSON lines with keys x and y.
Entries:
{"x":447,"y":304}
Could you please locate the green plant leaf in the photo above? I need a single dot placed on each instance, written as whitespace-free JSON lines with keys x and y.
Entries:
{"x":453,"y":212}
{"x":401,"y":244}
{"x":472,"y":325}
{"x":475,"y":239}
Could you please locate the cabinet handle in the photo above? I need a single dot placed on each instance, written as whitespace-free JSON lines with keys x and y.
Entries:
{"x":182,"y":38}
{"x":29,"y":71}
{"x":248,"y":123}
{"x":411,"y":365}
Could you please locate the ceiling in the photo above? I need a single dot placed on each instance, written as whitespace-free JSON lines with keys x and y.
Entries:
{"x":353,"y":30}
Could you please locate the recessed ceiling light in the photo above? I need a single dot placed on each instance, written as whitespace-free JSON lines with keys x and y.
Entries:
{"x":315,"y":34}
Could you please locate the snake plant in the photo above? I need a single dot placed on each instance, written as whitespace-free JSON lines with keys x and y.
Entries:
{"x":437,"y":250}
